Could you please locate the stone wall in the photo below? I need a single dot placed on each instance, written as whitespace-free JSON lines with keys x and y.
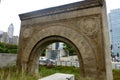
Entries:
{"x":7,"y":59}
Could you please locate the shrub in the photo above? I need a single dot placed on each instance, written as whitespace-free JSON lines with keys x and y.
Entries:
{"x":8,"y":48}
{"x":11,"y":73}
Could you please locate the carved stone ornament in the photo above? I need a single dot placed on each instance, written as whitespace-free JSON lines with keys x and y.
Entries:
{"x":89,"y":26}
{"x":27,"y":32}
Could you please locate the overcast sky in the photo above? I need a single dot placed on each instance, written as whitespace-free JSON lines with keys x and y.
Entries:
{"x":9,"y":10}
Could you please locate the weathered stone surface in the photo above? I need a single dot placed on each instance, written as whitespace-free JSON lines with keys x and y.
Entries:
{"x":59,"y":76}
{"x":79,"y":24}
{"x":7,"y":59}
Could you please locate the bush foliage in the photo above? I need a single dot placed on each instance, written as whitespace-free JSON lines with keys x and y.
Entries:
{"x":8,"y":48}
{"x":69,"y":49}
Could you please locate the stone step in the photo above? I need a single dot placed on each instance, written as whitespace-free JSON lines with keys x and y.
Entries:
{"x":59,"y":76}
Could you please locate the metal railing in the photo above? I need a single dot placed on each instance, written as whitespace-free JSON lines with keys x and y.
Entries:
{"x":67,"y":63}
{"x":116,"y":65}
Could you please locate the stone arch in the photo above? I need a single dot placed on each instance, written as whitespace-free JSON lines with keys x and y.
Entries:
{"x":86,"y":54}
{"x":46,"y":41}
{"x":82,"y":24}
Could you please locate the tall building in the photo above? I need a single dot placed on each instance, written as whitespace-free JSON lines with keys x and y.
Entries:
{"x":4,"y":37}
{"x":114,"y":23}
{"x":1,"y":32}
{"x":15,"y":40}
{"x":7,"y":37}
{"x":55,"y":46}
{"x":55,"y":51}
{"x":10,"y":33}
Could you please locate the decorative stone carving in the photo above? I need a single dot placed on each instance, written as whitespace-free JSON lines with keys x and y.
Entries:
{"x":27,"y":32}
{"x":89,"y":26}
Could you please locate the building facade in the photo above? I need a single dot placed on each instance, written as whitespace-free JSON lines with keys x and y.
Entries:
{"x":1,"y":32}
{"x":114,"y":23}
{"x":8,"y":37}
{"x":4,"y":37}
{"x":10,"y":33}
{"x":15,"y":40}
{"x":55,"y":51}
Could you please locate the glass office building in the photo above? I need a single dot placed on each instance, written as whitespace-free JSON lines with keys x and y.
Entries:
{"x":114,"y":23}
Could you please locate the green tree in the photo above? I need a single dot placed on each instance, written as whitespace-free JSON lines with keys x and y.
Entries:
{"x":43,"y":52}
{"x":8,"y":48}
{"x":69,"y":49}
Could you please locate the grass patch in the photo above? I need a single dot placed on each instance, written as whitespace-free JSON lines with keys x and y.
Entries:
{"x":45,"y":71}
{"x":49,"y":70}
{"x":11,"y":73}
{"x":116,"y":74}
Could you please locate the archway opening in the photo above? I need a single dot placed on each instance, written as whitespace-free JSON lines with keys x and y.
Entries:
{"x":53,"y":57}
{"x":59,"y":57}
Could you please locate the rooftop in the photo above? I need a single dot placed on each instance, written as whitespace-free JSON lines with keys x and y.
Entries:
{"x":61,"y":9}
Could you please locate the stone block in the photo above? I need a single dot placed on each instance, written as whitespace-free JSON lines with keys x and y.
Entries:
{"x":59,"y":76}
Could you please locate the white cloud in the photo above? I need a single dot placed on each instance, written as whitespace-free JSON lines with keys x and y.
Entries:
{"x":9,"y":9}
{"x":112,"y":4}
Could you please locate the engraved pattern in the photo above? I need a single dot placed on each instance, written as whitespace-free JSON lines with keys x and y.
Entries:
{"x":26,"y":32}
{"x":89,"y":26}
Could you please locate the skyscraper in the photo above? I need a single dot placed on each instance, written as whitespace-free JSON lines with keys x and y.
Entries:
{"x":4,"y":37}
{"x":114,"y":23}
{"x":15,"y":40}
{"x":1,"y":35}
{"x":10,"y":33}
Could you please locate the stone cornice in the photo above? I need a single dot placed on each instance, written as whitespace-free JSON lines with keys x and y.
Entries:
{"x":61,"y":9}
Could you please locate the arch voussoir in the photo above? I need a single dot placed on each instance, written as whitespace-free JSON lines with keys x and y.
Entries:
{"x":79,"y":42}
